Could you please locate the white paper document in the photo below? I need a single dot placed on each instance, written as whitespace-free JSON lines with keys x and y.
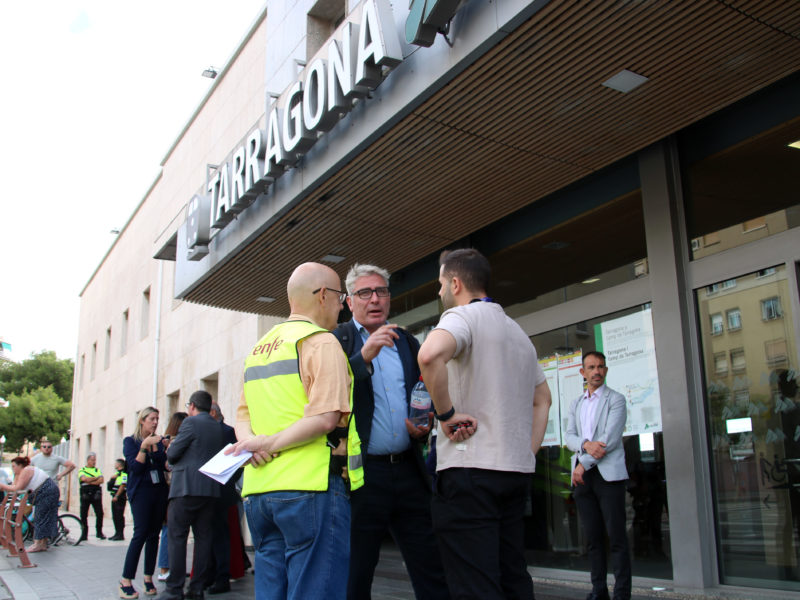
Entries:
{"x":222,"y":466}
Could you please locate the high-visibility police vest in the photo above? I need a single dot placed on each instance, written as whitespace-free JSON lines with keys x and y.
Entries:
{"x":276,"y":399}
{"x":120,"y":480}
{"x":89,"y":472}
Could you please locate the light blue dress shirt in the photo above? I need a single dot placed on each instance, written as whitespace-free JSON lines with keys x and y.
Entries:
{"x":389,"y":434}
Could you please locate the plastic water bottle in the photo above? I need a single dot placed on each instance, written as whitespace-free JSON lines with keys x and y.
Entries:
{"x":420,"y":404}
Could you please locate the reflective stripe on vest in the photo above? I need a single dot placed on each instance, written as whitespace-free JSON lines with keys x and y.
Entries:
{"x":275,"y":399}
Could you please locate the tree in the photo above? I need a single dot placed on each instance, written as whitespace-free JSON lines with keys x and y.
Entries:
{"x":32,"y":415}
{"x":38,"y":371}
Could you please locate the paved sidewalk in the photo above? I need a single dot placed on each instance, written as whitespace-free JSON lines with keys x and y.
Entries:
{"x":91,"y":571}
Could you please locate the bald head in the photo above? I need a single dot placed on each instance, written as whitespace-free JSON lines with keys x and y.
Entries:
{"x":322,"y":306}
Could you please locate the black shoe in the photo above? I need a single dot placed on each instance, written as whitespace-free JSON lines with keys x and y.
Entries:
{"x":219,"y":588}
{"x":116,"y":538}
{"x":100,"y":536}
{"x":194,"y":595}
{"x":83,"y":538}
{"x":598,"y":596}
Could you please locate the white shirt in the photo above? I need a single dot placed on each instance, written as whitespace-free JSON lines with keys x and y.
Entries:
{"x":589,"y":412}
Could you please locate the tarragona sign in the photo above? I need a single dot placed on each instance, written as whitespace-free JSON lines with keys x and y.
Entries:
{"x":346,"y":69}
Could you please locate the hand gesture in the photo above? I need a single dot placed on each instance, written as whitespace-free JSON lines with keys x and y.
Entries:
{"x":385,"y":335}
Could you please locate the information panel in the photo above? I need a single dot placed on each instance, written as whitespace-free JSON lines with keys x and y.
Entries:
{"x":629,"y":346}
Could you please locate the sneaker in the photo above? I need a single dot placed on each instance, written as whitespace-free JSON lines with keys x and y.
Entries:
{"x":127,"y":591}
{"x":163,"y":576}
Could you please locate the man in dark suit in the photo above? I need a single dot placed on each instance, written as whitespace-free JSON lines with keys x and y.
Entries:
{"x":192,"y":496}
{"x":396,"y":493}
{"x":594,"y":433}
{"x":218,"y":579}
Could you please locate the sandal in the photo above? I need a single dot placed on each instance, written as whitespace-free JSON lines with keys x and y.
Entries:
{"x":127,"y":591}
{"x":150,"y":588}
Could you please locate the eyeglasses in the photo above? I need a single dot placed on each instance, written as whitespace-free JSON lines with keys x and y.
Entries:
{"x":342,"y":295}
{"x":366,"y":293}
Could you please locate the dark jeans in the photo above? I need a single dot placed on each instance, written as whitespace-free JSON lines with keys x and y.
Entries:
{"x":118,"y":515}
{"x":184,"y":512}
{"x":601,"y":506}
{"x":396,"y":499}
{"x":478,"y":520}
{"x":148,"y":507}
{"x":94,"y":498}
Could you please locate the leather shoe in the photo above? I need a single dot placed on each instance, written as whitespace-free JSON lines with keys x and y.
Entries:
{"x":194,"y":595}
{"x":219,"y":588}
{"x":595,"y":596}
{"x":100,"y":536}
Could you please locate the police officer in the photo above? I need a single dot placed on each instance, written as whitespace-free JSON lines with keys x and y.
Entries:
{"x":91,"y":479}
{"x":118,"y":498}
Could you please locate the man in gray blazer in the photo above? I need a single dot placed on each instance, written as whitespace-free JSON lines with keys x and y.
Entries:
{"x":192,"y":496}
{"x":594,"y":432}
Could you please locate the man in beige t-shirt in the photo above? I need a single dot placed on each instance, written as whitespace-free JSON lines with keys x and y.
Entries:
{"x":492,"y":401}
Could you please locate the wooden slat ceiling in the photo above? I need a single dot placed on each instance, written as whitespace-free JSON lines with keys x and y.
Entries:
{"x":524,"y":120}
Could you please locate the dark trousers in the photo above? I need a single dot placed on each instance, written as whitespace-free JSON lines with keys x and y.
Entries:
{"x":601,"y":506}
{"x":118,"y":515}
{"x":184,"y":512}
{"x":478,"y":520}
{"x":396,"y":499}
{"x":94,"y":498}
{"x":219,"y":571}
{"x":148,"y":507}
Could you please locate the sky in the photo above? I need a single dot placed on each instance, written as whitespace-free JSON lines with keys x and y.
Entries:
{"x":92,"y":95}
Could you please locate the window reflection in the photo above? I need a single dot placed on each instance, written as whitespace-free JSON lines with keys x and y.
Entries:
{"x":754,"y":421}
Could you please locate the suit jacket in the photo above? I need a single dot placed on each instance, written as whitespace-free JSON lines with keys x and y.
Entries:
{"x":363,"y":398}
{"x":611,"y":416}
{"x":199,"y":438}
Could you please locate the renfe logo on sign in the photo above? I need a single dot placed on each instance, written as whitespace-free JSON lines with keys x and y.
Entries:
{"x":348,"y":68}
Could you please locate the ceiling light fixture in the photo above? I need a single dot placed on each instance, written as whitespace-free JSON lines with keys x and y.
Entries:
{"x":332,"y":258}
{"x":794,"y":144}
{"x":591,"y":280}
{"x":265,"y":299}
{"x":625,"y":81}
{"x":211,"y":72}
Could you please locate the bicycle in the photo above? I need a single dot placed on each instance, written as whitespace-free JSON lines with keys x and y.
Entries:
{"x":69,"y":530}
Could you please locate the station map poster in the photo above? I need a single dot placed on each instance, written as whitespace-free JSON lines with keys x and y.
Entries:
{"x":629,"y":346}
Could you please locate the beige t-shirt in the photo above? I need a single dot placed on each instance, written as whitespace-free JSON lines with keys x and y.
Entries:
{"x":492,"y":377}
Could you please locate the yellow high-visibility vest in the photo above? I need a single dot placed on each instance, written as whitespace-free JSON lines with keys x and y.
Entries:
{"x":275,"y":399}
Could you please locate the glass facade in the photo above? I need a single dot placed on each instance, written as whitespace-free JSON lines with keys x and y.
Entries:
{"x":753,"y":412}
{"x":554,"y":535}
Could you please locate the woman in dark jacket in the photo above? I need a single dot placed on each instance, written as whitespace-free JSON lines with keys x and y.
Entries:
{"x":147,"y":491}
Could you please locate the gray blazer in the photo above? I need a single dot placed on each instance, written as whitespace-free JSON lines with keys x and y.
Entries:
{"x":199,"y":438}
{"x":611,"y":416}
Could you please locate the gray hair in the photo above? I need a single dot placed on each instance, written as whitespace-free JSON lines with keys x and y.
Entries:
{"x":358,"y":270}
{"x":90,"y":455}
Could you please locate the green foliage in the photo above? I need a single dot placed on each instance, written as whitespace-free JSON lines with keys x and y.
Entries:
{"x":38,"y":371}
{"x":39,"y":392}
{"x":31,"y":415}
